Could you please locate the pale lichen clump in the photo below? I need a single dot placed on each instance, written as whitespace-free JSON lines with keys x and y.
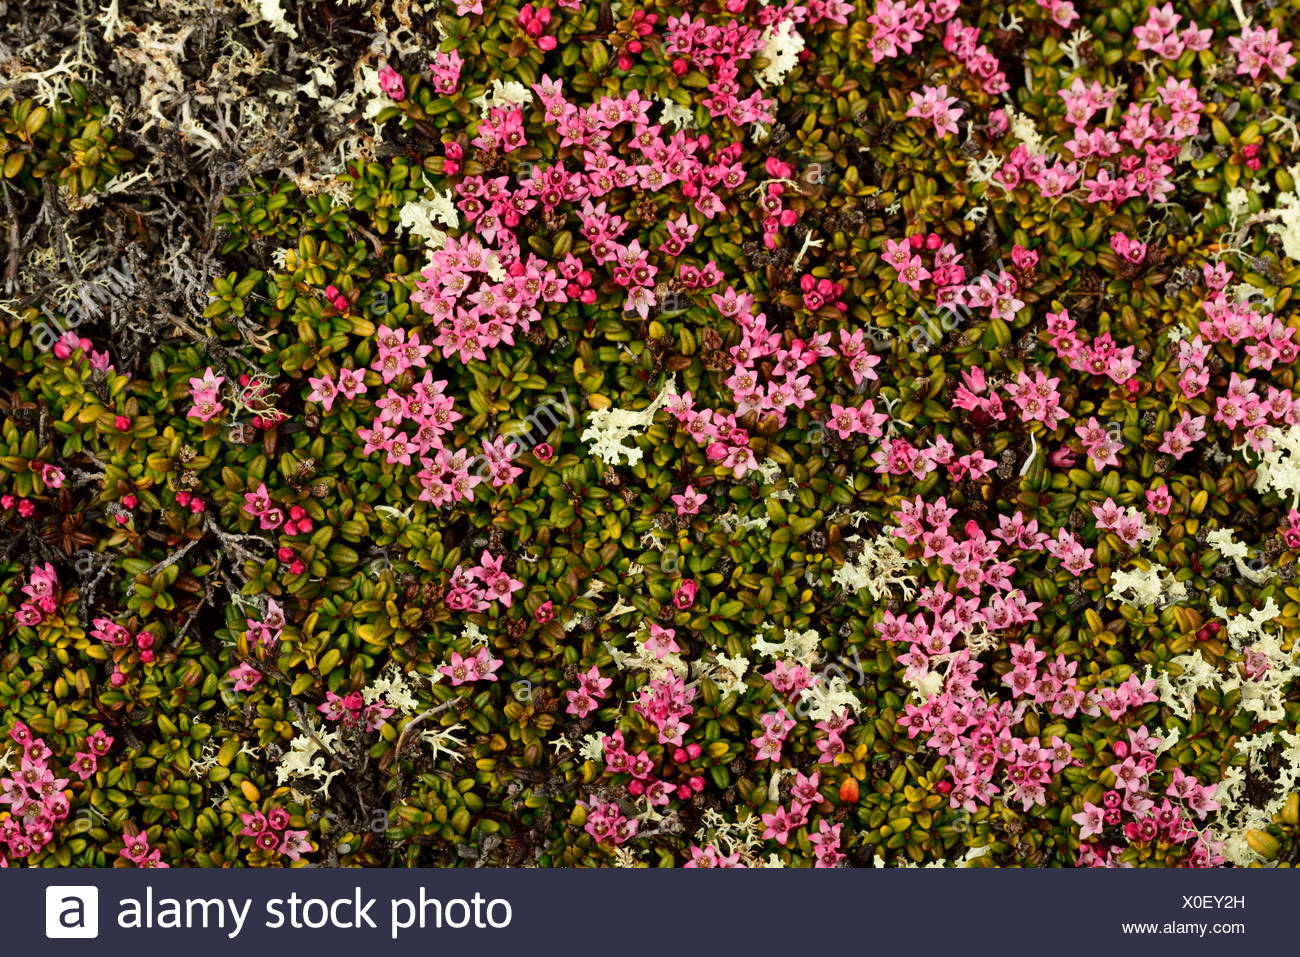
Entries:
{"x":611,"y":429}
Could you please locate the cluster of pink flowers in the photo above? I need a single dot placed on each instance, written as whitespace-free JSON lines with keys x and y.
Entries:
{"x":959,"y":720}
{"x":42,"y":591}
{"x":135,"y":850}
{"x":349,"y":383}
{"x":899,"y":25}
{"x":665,"y":703}
{"x":963,"y":43}
{"x":336,"y":298}
{"x":1239,"y":407}
{"x":606,"y":823}
{"x":591,"y":689}
{"x":257,"y":503}
{"x":1125,"y":522}
{"x":353,"y":711}
{"x":769,"y":742}
{"x":829,"y":739}
{"x":1268,"y":340}
{"x":480,"y":666}
{"x":1161,"y":35}
{"x":25,"y":507}
{"x":1021,"y":166}
{"x":205,"y":393}
{"x":501,"y":130}
{"x":533,"y":23}
{"x":473,"y":588}
{"x":1260,"y":49}
{"x":934,"y":104}
{"x":945,"y":270}
{"x":720,"y":52}
{"x":193,"y":503}
{"x":1037,"y":399}
{"x":822,"y":292}
{"x":36,"y":801}
{"x":446,"y":69}
{"x":70,"y":342}
{"x":1128,"y":248}
{"x":1100,"y":356}
{"x":710,"y":856}
{"x":772,"y":202}
{"x":1135,"y":760}
{"x":779,"y":825}
{"x":641,"y":766}
{"x":117,"y":636}
{"x":474,"y":313}
{"x":271,"y":832}
{"x":266,"y":633}
{"x":1101,"y":445}
{"x":427,"y":408}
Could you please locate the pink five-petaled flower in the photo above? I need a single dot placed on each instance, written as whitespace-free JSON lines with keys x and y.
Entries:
{"x":323,"y":390}
{"x":1090,"y":821}
{"x":84,"y":765}
{"x":246,"y":676}
{"x":689,"y":502}
{"x":135,"y":847}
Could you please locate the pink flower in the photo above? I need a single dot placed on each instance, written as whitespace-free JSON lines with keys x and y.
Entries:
{"x":351,"y":383}
{"x":458,"y":669}
{"x":689,"y":502}
{"x":246,"y":676}
{"x":391,"y":82}
{"x":1090,"y":821}
{"x":323,"y":390}
{"x":662,"y":641}
{"x":684,"y":594}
